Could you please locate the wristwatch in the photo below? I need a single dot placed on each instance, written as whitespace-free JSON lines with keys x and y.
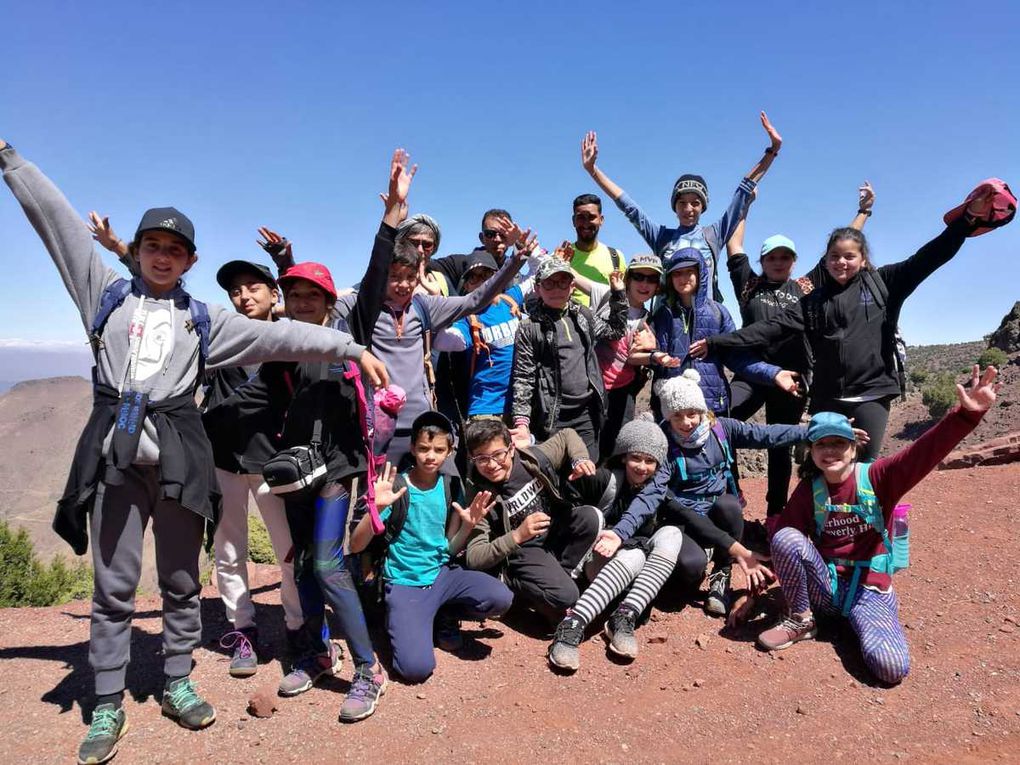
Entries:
{"x":866,"y":213}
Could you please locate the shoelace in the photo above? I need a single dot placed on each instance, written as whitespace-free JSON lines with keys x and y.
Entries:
{"x":183,"y":696}
{"x":238,"y":641}
{"x":570,"y":631}
{"x":364,"y":683}
{"x":104,"y":723}
{"x":627,"y":620}
{"x":791,"y":624}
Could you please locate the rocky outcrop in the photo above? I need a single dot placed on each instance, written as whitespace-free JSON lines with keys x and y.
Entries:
{"x":998,"y":451}
{"x":1007,"y":336}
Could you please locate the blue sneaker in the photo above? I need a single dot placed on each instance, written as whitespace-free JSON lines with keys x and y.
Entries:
{"x":182,"y":704}
{"x":109,"y":724}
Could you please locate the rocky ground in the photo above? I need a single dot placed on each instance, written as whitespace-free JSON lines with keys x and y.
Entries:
{"x":695,"y":694}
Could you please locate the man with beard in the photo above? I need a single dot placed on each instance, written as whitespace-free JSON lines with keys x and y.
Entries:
{"x":591,"y":258}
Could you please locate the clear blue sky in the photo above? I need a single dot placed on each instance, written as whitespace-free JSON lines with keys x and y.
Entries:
{"x":285,"y":114}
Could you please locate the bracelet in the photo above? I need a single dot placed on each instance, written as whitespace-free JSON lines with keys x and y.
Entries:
{"x":773,"y":152}
{"x":865,"y":213}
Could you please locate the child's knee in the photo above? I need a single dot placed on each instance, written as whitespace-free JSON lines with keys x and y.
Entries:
{"x":560,"y":596}
{"x":586,"y":522}
{"x":787,"y":539}
{"x":889,"y":667}
{"x":667,"y":541}
{"x":414,"y":666}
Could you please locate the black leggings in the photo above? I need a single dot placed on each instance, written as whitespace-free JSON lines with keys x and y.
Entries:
{"x":870,"y":416}
{"x":620,"y":410}
{"x":780,"y":409}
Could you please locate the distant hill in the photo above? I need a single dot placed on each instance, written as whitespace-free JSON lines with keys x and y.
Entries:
{"x":27,"y":360}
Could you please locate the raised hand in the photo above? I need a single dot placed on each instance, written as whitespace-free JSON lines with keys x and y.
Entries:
{"x":527,"y":245}
{"x":509,"y":230}
{"x":520,"y":435}
{"x":607,"y":543}
{"x":385,"y":496}
{"x":983,"y":390}
{"x":375,"y":369}
{"x":103,"y":233}
{"x":582,"y":467}
{"x":775,"y":139}
{"x":564,"y":252}
{"x":789,"y":382}
{"x":401,"y":210}
{"x":865,"y":197}
{"x":616,"y":282}
{"x":589,"y":151}
{"x":427,"y":281}
{"x":400,"y":177}
{"x":480,"y":505}
{"x":277,"y":247}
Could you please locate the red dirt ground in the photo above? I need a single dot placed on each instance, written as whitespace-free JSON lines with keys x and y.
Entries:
{"x":721,"y":701}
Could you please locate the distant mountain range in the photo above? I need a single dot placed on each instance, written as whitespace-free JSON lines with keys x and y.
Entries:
{"x":30,"y":360}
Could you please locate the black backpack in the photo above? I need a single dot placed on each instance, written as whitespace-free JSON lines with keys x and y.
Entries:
{"x":880,"y":293}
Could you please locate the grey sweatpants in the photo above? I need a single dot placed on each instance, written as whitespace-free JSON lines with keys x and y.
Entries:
{"x":117,"y":526}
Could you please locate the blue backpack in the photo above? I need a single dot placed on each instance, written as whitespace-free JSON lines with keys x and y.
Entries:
{"x":897,"y":552}
{"x":117,"y":292}
{"x":726,"y":469}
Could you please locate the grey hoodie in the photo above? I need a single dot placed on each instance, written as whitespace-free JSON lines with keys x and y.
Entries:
{"x":167,"y":360}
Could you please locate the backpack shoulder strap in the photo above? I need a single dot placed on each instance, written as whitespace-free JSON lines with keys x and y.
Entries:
{"x":201,"y":322}
{"x":425,"y":317}
{"x":398,"y":513}
{"x":820,"y":496}
{"x":876,"y":286}
{"x":114,"y":294}
{"x":418,"y":301}
{"x":615,"y":258}
{"x":867,"y":498}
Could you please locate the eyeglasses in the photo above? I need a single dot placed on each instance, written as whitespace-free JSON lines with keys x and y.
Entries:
{"x":646,"y":278}
{"x":491,"y":459}
{"x":491,"y":233}
{"x":426,"y":244}
{"x":557,"y":282}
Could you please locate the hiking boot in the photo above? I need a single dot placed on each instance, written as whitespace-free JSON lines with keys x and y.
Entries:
{"x":308,"y":669}
{"x":100,"y":744}
{"x":563,"y":652}
{"x":244,"y":662}
{"x":718,"y":601}
{"x":363,"y":697}
{"x":620,"y":631}
{"x":786,"y":632}
{"x":183,"y":704}
{"x":447,"y":632}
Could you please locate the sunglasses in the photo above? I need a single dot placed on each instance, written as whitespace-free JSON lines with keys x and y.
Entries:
{"x":646,"y":278}
{"x":491,"y":233}
{"x":491,"y":459}
{"x":425,"y":244}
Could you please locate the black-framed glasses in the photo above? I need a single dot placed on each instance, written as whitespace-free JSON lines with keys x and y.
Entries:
{"x":646,"y":278}
{"x":491,"y":459}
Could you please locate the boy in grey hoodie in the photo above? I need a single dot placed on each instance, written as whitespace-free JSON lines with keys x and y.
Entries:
{"x":143,"y":454}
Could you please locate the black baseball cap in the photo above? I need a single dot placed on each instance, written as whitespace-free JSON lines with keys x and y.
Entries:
{"x":229,"y":270}
{"x":438,"y":419}
{"x":167,"y":219}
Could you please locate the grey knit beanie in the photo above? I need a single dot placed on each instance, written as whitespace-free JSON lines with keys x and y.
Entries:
{"x":421,"y":219}
{"x":682,"y":392}
{"x":642,"y":436}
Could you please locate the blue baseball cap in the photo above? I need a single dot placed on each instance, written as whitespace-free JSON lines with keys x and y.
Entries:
{"x":775,"y":242}
{"x":829,"y":424}
{"x":688,"y":257}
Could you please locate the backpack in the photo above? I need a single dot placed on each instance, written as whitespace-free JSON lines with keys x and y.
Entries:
{"x":373,"y":557}
{"x":880,"y":293}
{"x":116,"y":293}
{"x":477,"y":343}
{"x":897,"y":555}
{"x":728,"y":468}
{"x":425,"y":318}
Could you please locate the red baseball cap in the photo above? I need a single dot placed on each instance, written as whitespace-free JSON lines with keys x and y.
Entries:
{"x":1003,"y":206}
{"x":316,"y":273}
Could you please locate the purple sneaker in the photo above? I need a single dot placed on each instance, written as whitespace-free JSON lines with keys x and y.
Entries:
{"x":308,"y":669}
{"x":368,"y":685}
{"x":244,"y":662}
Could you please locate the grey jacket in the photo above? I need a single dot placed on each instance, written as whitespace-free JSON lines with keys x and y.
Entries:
{"x":167,"y":362}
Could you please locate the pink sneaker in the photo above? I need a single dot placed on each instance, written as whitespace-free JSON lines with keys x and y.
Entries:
{"x":788,"y":631}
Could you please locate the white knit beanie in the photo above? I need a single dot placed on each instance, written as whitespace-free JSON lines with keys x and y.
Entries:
{"x":682,"y":392}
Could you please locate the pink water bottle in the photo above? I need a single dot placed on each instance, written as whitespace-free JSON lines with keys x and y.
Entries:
{"x":901,"y":536}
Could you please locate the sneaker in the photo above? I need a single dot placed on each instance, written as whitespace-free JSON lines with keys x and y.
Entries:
{"x":563,"y":652}
{"x":182,"y":703}
{"x":244,"y":662}
{"x":787,"y":632}
{"x":363,"y":697}
{"x":620,"y":631}
{"x":100,"y":745}
{"x":447,"y":632}
{"x":718,"y":601}
{"x":308,"y":669}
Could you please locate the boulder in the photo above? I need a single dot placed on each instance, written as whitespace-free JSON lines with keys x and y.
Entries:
{"x":998,"y":451}
{"x":1007,"y":336}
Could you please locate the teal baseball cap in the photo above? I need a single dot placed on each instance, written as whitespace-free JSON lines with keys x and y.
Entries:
{"x":777,"y":241}
{"x":826,"y":424}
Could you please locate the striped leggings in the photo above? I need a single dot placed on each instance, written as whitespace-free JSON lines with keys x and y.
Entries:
{"x":874,"y":616}
{"x":631,"y":565}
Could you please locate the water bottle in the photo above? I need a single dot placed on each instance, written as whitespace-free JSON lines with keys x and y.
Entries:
{"x":900,"y":537}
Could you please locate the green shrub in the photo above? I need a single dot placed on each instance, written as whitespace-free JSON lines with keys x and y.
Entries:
{"x":993,"y":357}
{"x":24,"y":581}
{"x":939,"y":395}
{"x":260,"y":548}
{"x":918,"y":376}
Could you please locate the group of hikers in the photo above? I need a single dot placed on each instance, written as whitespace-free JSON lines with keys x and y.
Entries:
{"x":457,"y":434}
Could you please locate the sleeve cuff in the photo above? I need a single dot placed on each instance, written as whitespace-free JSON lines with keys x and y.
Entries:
{"x":10,"y":159}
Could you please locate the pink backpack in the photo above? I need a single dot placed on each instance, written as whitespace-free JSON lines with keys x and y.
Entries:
{"x":1003,"y":206}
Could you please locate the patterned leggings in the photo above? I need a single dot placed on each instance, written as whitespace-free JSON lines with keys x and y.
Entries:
{"x":874,"y":616}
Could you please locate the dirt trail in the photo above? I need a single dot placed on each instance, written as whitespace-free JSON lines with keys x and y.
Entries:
{"x":722,"y":702}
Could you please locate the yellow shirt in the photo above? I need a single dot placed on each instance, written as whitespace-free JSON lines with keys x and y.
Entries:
{"x":595,"y":265}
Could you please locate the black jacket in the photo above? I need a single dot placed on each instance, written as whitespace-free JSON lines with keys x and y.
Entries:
{"x":186,"y":473}
{"x":852,"y":339}
{"x":535,"y":384}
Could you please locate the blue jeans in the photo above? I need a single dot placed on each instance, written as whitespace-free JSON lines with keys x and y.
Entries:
{"x":410,"y":612}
